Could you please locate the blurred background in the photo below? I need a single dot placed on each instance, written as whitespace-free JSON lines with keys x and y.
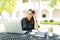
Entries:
{"x":47,"y":11}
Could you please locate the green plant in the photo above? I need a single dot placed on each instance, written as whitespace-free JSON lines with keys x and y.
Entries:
{"x":45,"y":20}
{"x":51,"y":20}
{"x":7,"y":5}
{"x":53,"y":3}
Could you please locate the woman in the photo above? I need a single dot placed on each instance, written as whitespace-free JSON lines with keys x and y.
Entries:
{"x":29,"y":22}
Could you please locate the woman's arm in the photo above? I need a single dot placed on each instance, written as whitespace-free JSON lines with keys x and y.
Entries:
{"x":23,"y":24}
{"x":35,"y":22}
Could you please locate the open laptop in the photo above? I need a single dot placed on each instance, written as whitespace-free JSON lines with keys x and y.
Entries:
{"x":13,"y":27}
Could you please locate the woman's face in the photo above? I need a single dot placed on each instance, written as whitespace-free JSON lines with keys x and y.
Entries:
{"x":29,"y":14}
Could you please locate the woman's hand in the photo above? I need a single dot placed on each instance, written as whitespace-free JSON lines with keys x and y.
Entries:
{"x":34,"y":16}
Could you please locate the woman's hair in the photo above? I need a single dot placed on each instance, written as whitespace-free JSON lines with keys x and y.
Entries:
{"x":32,"y":19}
{"x":33,"y":12}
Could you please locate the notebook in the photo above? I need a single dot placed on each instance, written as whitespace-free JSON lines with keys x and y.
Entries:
{"x":40,"y":34}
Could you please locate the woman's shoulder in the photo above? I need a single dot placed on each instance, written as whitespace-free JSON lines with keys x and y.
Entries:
{"x":23,"y":19}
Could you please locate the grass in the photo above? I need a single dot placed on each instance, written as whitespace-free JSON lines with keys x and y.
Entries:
{"x":53,"y":23}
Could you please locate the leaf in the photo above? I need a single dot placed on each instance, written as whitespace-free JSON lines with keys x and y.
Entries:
{"x":7,"y":5}
{"x":53,"y":3}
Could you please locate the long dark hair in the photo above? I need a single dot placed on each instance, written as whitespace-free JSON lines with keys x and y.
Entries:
{"x":33,"y":12}
{"x":32,"y":19}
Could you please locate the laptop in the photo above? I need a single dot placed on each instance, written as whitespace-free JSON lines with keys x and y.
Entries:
{"x":13,"y":27}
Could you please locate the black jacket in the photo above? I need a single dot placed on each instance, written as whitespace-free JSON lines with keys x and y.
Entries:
{"x":26,"y":24}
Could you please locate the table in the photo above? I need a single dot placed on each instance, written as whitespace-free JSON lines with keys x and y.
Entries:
{"x":27,"y":36}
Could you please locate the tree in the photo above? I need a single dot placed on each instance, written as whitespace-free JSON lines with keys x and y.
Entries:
{"x":7,"y":5}
{"x":54,"y":3}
